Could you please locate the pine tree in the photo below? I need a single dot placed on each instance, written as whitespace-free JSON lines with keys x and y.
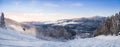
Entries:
{"x":111,"y":26}
{"x":2,"y":20}
{"x":119,"y":13}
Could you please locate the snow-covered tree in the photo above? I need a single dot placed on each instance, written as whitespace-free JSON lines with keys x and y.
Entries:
{"x":2,"y":20}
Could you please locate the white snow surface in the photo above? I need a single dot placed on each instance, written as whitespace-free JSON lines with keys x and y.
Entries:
{"x":10,"y":38}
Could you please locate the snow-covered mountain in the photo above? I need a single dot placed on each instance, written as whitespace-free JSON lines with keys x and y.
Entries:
{"x":83,"y":27}
{"x":14,"y":34}
{"x":60,"y":30}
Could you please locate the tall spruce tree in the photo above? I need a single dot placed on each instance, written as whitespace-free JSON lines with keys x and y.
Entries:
{"x":2,"y":20}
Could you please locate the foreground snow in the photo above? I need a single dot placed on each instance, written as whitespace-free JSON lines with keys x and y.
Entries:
{"x":10,"y":38}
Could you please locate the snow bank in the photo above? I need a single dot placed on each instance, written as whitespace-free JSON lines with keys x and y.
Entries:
{"x":10,"y":38}
{"x":109,"y":37}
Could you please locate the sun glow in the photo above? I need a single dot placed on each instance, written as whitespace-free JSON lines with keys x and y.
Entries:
{"x":39,"y":17}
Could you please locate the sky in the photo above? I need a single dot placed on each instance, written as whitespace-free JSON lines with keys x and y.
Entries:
{"x":50,"y":10}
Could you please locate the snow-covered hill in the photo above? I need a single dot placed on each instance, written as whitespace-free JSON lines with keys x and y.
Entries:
{"x":11,"y":38}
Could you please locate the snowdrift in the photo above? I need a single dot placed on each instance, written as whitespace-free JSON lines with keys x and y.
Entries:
{"x":10,"y":38}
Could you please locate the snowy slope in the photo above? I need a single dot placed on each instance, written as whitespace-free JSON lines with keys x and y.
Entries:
{"x":10,"y":38}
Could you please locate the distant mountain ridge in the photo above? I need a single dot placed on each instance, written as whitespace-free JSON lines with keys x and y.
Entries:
{"x":83,"y":27}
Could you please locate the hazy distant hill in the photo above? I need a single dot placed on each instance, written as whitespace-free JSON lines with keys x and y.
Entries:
{"x":83,"y":27}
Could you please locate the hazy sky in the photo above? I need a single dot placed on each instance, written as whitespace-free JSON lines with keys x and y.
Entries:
{"x":58,"y":9}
